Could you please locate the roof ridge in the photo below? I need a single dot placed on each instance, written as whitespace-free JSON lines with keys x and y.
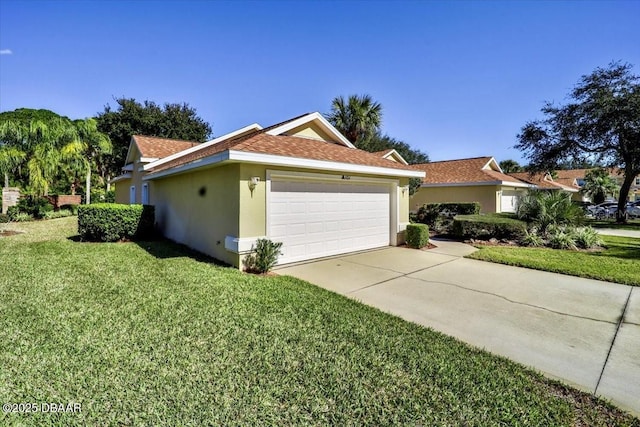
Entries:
{"x":455,"y":160}
{"x":166,"y":139}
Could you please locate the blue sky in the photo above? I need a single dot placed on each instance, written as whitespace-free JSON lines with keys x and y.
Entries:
{"x":456,"y":79}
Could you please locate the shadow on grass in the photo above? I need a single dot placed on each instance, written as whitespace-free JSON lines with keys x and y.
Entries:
{"x":164,"y":248}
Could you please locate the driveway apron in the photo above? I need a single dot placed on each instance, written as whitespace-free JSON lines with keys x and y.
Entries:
{"x":584,"y":332}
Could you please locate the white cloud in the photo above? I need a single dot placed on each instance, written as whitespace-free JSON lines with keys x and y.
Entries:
{"x":6,"y":52}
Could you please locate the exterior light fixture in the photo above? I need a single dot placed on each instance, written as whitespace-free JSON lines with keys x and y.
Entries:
{"x":253,"y":181}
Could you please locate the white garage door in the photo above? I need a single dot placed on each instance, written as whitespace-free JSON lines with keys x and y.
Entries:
{"x":509,"y":201}
{"x":315,"y":218}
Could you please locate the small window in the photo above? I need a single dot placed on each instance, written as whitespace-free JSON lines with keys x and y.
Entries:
{"x":145,"y":194}
{"x":637,"y":181}
{"x":132,"y":194}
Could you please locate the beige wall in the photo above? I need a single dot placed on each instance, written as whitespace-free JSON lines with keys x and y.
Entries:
{"x":310,"y":130}
{"x":122,"y":191}
{"x":486,"y":195}
{"x":228,"y":208}
{"x":201,"y":221}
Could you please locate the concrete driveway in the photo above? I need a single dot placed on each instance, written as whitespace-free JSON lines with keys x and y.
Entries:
{"x":584,"y":332}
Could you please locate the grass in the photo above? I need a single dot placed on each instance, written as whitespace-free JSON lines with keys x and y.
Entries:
{"x":149,"y":333}
{"x":619,"y":262}
{"x":632,"y":224}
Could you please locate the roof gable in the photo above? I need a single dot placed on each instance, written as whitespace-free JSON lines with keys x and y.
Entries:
{"x":473,"y":171}
{"x":391,"y":154}
{"x":150,"y":148}
{"x":544,"y":181}
{"x":312,"y":119}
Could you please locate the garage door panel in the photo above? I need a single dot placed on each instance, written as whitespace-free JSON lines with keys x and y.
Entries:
{"x":315,"y":219}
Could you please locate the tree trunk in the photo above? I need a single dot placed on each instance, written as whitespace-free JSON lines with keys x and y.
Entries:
{"x":87,"y":197}
{"x":621,"y":214}
{"x":6,"y":179}
{"x":108,"y":180}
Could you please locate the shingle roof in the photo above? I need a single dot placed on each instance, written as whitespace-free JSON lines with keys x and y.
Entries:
{"x":462,"y":171}
{"x":289,"y":146}
{"x":540,"y":180}
{"x":151,"y":146}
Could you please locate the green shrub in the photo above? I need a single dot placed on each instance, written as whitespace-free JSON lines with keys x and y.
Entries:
{"x":263,"y":257}
{"x":417,"y":235}
{"x":587,"y":238}
{"x":37,"y":207}
{"x":430,"y":212}
{"x":12,"y":212}
{"x":488,"y":226}
{"x":72,"y":208}
{"x":546,"y":208}
{"x":561,"y":238}
{"x":23,"y":217}
{"x":4,"y":218}
{"x":58,"y":214}
{"x":110,"y":196}
{"x":531,"y":238}
{"x":110,"y":222}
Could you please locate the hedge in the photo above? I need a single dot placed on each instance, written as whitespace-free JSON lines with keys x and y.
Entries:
{"x":488,"y":226}
{"x":429,"y":212}
{"x":417,"y":235}
{"x":110,"y":222}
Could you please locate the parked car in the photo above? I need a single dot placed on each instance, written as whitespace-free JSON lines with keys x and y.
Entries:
{"x":605,"y":210}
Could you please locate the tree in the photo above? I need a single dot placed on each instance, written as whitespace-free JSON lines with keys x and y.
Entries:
{"x":10,"y":155}
{"x":178,"y":121}
{"x":600,"y":124}
{"x":357,"y":118}
{"x":45,"y":141}
{"x":84,"y":149}
{"x":598,"y":184}
{"x":510,"y":166}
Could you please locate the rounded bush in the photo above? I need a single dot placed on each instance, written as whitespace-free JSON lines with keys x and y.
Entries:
{"x":110,"y":222}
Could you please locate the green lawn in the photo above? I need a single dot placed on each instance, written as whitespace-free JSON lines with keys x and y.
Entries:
{"x":149,"y":334}
{"x":632,"y":224}
{"x":619,"y":262}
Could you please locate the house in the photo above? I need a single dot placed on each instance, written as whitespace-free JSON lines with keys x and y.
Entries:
{"x":544,"y":181}
{"x":579,"y":176}
{"x":299,"y":182}
{"x":478,"y":179}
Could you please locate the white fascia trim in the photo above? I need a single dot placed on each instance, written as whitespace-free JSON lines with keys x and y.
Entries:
{"x":493,"y":160}
{"x":129,"y":149}
{"x":402,"y":226}
{"x":397,"y":155}
{"x":120,"y":177}
{"x":206,"y":161}
{"x":128,"y":167}
{"x":240,"y":245}
{"x":477,"y":184}
{"x":322,"y":122}
{"x":271,"y":174}
{"x":148,"y":159}
{"x":198,"y":147}
{"x":270,"y":159}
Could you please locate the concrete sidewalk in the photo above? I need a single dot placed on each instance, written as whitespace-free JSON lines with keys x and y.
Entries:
{"x":619,"y":232}
{"x":584,"y":332}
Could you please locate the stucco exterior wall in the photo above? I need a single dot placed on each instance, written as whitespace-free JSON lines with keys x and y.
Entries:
{"x":200,"y":209}
{"x":486,"y":195}
{"x":122,"y":191}
{"x":309,"y":130}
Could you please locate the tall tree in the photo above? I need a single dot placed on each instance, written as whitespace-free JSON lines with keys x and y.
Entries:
{"x":357,"y":117}
{"x":598,"y":183}
{"x":45,"y":141}
{"x":178,"y":121}
{"x":83,"y":151}
{"x":601,"y":124}
{"x":510,"y":166}
{"x":11,"y":134}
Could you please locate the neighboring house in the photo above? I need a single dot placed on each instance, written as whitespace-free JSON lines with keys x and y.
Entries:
{"x":544,"y":181}
{"x":142,"y":151}
{"x":299,"y":182}
{"x":391,"y":154}
{"x":579,"y":176}
{"x":477,"y":179}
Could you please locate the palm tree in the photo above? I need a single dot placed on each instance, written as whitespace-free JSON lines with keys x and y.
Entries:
{"x":598,"y":184}
{"x":356,"y":118}
{"x":11,"y":134}
{"x":510,"y":166}
{"x":83,"y":151}
{"x":44,"y":141}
